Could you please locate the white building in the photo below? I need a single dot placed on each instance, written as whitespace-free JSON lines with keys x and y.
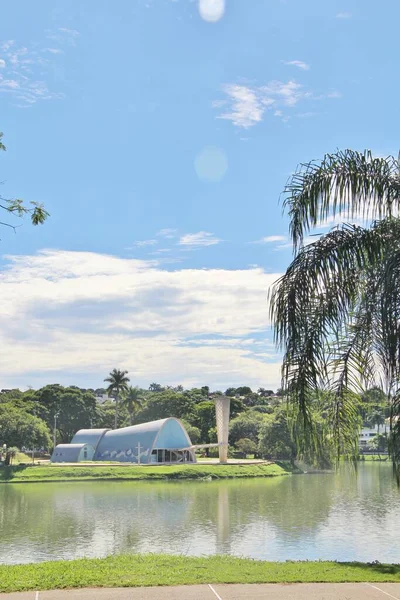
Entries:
{"x":368,"y":433}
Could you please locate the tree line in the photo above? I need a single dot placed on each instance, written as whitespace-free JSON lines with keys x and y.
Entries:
{"x":261,"y":423}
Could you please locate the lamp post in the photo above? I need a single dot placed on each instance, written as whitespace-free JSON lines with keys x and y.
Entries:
{"x":55,"y":429}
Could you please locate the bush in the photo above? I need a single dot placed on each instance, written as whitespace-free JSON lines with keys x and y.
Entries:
{"x":246,"y":446}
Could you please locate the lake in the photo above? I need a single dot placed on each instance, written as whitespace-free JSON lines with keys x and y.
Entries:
{"x":331,"y":516}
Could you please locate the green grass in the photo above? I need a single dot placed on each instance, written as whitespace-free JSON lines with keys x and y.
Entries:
{"x":21,"y":457}
{"x":374,"y":457}
{"x":153,"y":570}
{"x":19,"y":474}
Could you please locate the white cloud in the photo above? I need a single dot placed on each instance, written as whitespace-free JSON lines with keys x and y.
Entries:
{"x":343,"y":15}
{"x":27,"y":70}
{"x":6,"y":45}
{"x":167,"y":233}
{"x":53,"y":50}
{"x":270,"y":239}
{"x":71,"y":32}
{"x":298,"y":63}
{"x":197,"y":240}
{"x":246,"y":105}
{"x":143,"y":243}
{"x":9,"y":83}
{"x":246,"y":108}
{"x":88,"y":312}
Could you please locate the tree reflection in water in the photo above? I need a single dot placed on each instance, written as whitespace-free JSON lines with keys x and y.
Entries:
{"x":311,"y":516}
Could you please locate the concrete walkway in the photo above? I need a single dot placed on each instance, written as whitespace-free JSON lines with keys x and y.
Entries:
{"x":297,"y":591}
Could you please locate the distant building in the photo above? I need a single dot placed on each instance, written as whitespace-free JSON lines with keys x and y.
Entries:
{"x":103,"y":398}
{"x":163,"y":441}
{"x":367,"y":434}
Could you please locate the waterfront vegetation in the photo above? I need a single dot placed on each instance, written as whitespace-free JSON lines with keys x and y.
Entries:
{"x":98,"y":472}
{"x":137,"y":570}
{"x":259,"y":426}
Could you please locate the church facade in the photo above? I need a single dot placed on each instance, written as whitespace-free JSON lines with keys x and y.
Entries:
{"x":156,"y":442}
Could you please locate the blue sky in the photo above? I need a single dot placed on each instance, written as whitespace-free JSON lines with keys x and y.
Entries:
{"x":159,"y":134}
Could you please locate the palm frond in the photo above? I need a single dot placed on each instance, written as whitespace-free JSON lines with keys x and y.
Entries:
{"x":348,"y":183}
{"x":336,"y":313}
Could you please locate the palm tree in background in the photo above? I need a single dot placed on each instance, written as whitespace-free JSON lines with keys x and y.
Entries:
{"x":377,"y":418}
{"x":133,"y":401}
{"x":118,"y":381}
{"x":336,"y":310}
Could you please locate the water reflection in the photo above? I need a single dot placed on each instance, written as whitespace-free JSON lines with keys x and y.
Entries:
{"x":300,"y":517}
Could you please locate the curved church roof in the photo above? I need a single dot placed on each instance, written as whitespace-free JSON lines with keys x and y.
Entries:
{"x":89,"y":436}
{"x":70,"y":452}
{"x":125,"y":444}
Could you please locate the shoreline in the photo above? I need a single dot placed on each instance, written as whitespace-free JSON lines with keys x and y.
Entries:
{"x":52,"y":473}
{"x":146,"y":570}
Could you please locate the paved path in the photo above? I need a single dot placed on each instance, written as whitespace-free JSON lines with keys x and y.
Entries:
{"x":297,"y":591}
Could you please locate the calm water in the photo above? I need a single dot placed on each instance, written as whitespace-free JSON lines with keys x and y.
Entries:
{"x":299,"y":517}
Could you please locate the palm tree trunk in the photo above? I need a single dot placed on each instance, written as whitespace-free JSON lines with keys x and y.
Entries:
{"x":116,"y":412}
{"x":131,"y":417}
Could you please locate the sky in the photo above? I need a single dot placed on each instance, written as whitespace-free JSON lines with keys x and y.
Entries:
{"x":159,"y":134}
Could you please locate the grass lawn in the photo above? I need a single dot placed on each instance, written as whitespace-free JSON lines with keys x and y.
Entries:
{"x":20,"y":474}
{"x":21,"y":457}
{"x":152,"y":569}
{"x":374,"y":457}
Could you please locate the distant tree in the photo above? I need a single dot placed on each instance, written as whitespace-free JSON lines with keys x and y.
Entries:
{"x":236,"y":408}
{"x":193,"y":432}
{"x":251,"y":399}
{"x":204,"y":419}
{"x":379,"y":443}
{"x":374,"y":395}
{"x":156,"y":387}
{"x":16,"y":206}
{"x":7,"y":395}
{"x":377,"y":418}
{"x":70,"y":407}
{"x":262,"y":408}
{"x":167,"y":404}
{"x":104,"y":416}
{"x":118,"y":381}
{"x":230,"y":392}
{"x":21,"y":429}
{"x":205,"y":390}
{"x":244,"y":390}
{"x":246,"y":446}
{"x":245,"y":425}
{"x":75,"y":411}
{"x":132,"y":400}
{"x":178,"y":388}
{"x":275,"y":439}
{"x":265,"y":393}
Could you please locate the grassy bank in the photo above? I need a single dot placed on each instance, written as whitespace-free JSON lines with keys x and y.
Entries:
{"x":152,"y":569}
{"x":374,"y":458}
{"x":19,"y":474}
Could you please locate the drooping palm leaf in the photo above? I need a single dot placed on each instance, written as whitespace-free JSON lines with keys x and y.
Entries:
{"x":336,"y":310}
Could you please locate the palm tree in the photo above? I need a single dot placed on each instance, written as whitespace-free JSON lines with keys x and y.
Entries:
{"x":155,"y":387}
{"x":133,"y":401}
{"x":336,"y":310}
{"x":118,"y":381}
{"x":377,"y":418}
